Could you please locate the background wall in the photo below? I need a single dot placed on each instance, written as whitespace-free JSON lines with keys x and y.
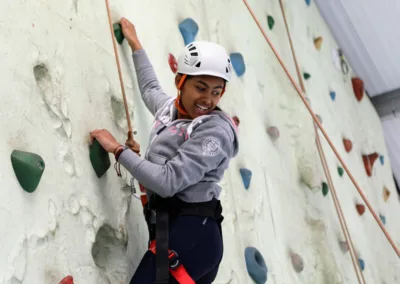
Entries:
{"x":60,"y":81}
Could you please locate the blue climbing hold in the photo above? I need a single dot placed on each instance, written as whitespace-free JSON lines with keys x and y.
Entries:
{"x":238,"y":63}
{"x":246,"y":177}
{"x":382,"y":159}
{"x":333,"y":95}
{"x":255,"y":265}
{"x":308,"y":2}
{"x":188,"y":29}
{"x":362,"y":264}
{"x":383,"y":219}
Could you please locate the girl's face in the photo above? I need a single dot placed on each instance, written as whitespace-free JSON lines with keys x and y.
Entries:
{"x":200,"y":94}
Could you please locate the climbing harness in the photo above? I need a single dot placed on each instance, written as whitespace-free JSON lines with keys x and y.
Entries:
{"x":316,"y":121}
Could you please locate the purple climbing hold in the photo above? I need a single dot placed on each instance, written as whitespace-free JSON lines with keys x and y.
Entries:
{"x":246,"y":177}
{"x":273,"y":132}
{"x":344,"y":246}
{"x":297,"y":262}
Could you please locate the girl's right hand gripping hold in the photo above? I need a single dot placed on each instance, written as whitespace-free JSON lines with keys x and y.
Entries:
{"x":129,"y":31}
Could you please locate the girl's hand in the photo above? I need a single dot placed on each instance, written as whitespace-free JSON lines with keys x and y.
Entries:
{"x":129,"y":31}
{"x":106,"y":140}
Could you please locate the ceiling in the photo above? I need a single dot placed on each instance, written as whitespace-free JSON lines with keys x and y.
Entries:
{"x":368,"y":32}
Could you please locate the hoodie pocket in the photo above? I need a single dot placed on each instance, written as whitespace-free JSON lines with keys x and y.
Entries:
{"x":156,"y":159}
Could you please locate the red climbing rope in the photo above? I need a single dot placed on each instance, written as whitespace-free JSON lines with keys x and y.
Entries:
{"x":376,"y":217}
{"x":336,"y":202}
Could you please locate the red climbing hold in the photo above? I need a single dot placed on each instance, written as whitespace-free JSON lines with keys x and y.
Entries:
{"x":236,"y":120}
{"x":348,"y":145}
{"x":358,"y":88}
{"x":67,"y":280}
{"x":369,"y":161}
{"x":173,"y":64}
{"x":360,"y":209}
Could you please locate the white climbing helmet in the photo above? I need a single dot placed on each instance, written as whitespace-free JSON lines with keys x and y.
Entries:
{"x":205,"y":58}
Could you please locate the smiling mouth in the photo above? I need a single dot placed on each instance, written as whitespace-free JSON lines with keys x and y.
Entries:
{"x":202,"y":108}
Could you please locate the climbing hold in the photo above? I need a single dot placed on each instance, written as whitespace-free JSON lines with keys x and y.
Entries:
{"x":67,"y":280}
{"x":28,"y":168}
{"x":382,"y":160}
{"x":246,"y":177}
{"x":306,"y":75}
{"x":325,"y":188}
{"x":238,"y":63}
{"x":308,"y":2}
{"x":318,"y":42}
{"x":340,"y":171}
{"x":255,"y":265}
{"x":332,"y":94}
{"x":99,"y":158}
{"x":273,"y":133}
{"x":360,"y":209}
{"x":271,"y":22}
{"x":173,"y":64}
{"x":348,"y":145}
{"x":188,"y":29}
{"x":362,"y":264}
{"x":383,"y":219}
{"x":344,"y":246}
{"x":358,"y":88}
{"x":119,"y":35}
{"x":297,"y":262}
{"x":386,"y":194}
{"x":369,"y":161}
{"x":236,"y":120}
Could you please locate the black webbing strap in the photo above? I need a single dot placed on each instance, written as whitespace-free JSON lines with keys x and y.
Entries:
{"x":162,"y":244}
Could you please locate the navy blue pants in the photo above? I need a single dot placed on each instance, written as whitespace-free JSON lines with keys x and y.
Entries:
{"x":197,"y":241}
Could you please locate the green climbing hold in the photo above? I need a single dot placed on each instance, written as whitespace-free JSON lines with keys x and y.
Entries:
{"x":119,"y":35}
{"x":306,"y":75}
{"x":28,"y":168}
{"x":340,"y":171}
{"x":271,"y":22}
{"x":99,"y":158}
{"x":325,"y":188}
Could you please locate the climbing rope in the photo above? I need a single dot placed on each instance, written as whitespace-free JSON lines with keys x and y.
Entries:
{"x":129,"y":142}
{"x":376,"y":217}
{"x":338,"y":208}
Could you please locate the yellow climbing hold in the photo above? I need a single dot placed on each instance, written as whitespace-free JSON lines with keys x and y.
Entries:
{"x":386,"y":194}
{"x":318,"y":42}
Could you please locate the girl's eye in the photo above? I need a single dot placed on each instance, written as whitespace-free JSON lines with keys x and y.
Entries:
{"x":200,"y":89}
{"x":216,"y":93}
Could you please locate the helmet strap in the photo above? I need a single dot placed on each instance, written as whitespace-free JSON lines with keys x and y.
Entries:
{"x":178,"y":98}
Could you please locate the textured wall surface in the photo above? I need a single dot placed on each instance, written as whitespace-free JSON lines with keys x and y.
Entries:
{"x":59,"y":81}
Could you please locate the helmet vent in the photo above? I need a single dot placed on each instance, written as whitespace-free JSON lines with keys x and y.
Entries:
{"x":198,"y":64}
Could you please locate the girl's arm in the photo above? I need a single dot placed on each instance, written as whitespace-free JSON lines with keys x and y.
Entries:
{"x":150,"y":89}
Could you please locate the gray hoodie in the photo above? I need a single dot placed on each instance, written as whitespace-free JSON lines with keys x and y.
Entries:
{"x":186,"y":158}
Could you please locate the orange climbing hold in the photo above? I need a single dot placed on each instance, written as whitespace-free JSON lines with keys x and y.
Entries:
{"x":358,"y":88}
{"x":67,"y":280}
{"x":360,"y":209}
{"x":348,"y":145}
{"x":369,"y":161}
{"x":386,"y":194}
{"x":318,"y":42}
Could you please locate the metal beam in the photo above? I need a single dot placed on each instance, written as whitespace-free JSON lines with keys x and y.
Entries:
{"x":387,"y":103}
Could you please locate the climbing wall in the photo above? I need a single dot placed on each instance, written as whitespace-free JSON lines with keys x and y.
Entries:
{"x":59,"y":81}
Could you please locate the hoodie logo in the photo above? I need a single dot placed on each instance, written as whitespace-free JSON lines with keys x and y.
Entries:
{"x":211,"y":146}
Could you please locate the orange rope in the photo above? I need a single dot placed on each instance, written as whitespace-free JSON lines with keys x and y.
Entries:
{"x":338,"y":208}
{"x":130,"y":137}
{"x":389,"y":238}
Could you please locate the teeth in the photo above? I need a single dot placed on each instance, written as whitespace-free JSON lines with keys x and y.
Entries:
{"x":202,"y":107}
